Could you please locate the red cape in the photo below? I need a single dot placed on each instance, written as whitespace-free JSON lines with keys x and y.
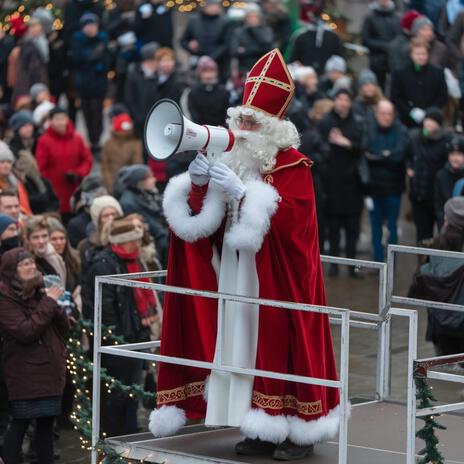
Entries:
{"x":289,"y":269}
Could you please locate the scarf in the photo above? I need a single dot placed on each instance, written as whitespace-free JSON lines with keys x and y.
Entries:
{"x":144,"y":299}
{"x":55,"y":261}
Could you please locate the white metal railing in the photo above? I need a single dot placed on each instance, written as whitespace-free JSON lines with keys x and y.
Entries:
{"x":423,"y":365}
{"x":130,"y":350}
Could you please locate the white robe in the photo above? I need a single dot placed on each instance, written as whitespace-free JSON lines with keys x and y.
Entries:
{"x":229,"y":395}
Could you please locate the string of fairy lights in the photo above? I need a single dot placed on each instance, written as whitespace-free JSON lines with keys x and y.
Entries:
{"x":23,"y":10}
{"x":80,"y":366}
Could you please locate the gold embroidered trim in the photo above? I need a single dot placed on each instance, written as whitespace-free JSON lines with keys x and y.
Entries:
{"x":258,"y":80}
{"x":306,"y":162}
{"x":287,"y":401}
{"x":181,"y":393}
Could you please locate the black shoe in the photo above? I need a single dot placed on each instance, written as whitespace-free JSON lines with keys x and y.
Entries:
{"x":288,"y":451}
{"x":256,"y":447}
{"x":333,"y":270}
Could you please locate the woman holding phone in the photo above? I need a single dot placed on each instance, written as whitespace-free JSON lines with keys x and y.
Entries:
{"x":33,"y":327}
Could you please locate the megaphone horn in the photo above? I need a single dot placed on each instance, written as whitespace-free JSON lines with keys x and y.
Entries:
{"x":167,"y":131}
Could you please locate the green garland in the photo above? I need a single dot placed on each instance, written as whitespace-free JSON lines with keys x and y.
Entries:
{"x":430,"y":452}
{"x":80,"y":366}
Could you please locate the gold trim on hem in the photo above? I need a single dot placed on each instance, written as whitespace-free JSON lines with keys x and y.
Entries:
{"x":286,"y":402}
{"x":188,"y":390}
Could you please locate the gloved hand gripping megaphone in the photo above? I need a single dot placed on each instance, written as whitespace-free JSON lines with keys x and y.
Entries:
{"x":168,"y":131}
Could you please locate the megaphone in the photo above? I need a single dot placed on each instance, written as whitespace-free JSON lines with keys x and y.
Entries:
{"x":167,"y":131}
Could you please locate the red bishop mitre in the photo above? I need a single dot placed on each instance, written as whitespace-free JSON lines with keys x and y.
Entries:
{"x":269,"y":87}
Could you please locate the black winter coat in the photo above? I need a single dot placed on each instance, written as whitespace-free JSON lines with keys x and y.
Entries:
{"x":341,"y":182}
{"x":77,"y":226}
{"x":157,"y":28}
{"x":425,"y":157}
{"x":248,"y":44}
{"x":444,"y":183}
{"x":146,"y":204}
{"x":208,"y":104}
{"x":91,"y":61}
{"x":386,"y":155}
{"x":411,"y":88}
{"x":379,"y":29}
{"x":313,"y":49}
{"x":398,"y":53}
{"x":171,"y":88}
{"x":140,"y":95}
{"x":41,"y":201}
{"x":213,"y":36}
{"x":313,"y":147}
{"x":119,"y":307}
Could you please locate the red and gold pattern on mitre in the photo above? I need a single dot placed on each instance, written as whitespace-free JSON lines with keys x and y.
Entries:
{"x":269,"y":87}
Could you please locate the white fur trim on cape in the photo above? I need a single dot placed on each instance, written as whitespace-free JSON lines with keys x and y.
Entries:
{"x":259,"y":424}
{"x":305,"y":433}
{"x":166,"y":421}
{"x":259,"y":205}
{"x":186,"y":226}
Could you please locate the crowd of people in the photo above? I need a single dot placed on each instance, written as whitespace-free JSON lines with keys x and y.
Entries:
{"x":80,"y":204}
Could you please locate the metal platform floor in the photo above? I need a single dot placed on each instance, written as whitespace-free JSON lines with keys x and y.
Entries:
{"x":377,"y":435}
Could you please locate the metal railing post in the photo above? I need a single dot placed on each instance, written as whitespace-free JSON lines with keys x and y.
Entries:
{"x":411,"y":405}
{"x":220,"y":332}
{"x":344,"y":372}
{"x":386,"y":325}
{"x":96,"y":387}
{"x":382,"y":349}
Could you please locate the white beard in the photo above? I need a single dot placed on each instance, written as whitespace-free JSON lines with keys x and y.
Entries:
{"x":252,"y":154}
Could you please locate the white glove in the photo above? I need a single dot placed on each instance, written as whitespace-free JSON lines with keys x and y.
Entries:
{"x":228,"y":180}
{"x":198,"y":170}
{"x":417,"y":114}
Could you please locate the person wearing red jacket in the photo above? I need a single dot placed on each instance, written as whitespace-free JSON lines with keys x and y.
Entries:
{"x":63,"y":158}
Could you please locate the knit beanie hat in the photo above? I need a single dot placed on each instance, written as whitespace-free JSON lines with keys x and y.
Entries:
{"x":434,"y":113}
{"x":88,"y":18}
{"x":454,"y":212}
{"x":5,"y":222}
{"x":335,"y":63}
{"x":36,"y":89}
{"x":42,"y":111}
{"x":130,"y":176}
{"x":91,"y":187}
{"x":302,"y":72}
{"x":407,"y":19}
{"x":100,"y":203}
{"x":366,"y":76}
{"x":419,"y":23}
{"x":45,"y":18}
{"x":122,"y":123}
{"x":456,"y":144}
{"x":147,"y":52}
{"x":5,"y":152}
{"x":124,"y":230}
{"x":206,"y":63}
{"x":20,"y":119}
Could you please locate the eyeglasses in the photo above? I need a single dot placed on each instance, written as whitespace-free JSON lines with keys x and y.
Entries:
{"x":247,"y":122}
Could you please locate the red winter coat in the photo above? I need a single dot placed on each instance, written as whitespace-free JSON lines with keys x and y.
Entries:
{"x":58,"y":155}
